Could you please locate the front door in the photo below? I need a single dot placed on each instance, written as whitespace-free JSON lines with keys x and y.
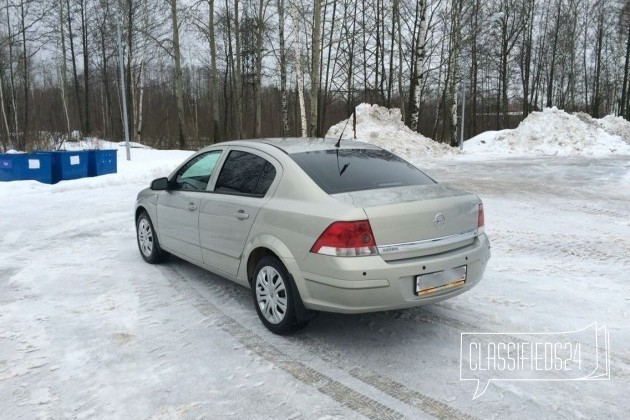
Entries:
{"x":178,"y":207}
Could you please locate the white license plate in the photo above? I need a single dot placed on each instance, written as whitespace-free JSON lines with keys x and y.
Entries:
{"x":427,"y":284}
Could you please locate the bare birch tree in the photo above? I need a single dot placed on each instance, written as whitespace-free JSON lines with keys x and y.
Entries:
{"x":420,"y":54}
{"x":298,"y":66}
{"x":283,"y":70}
{"x":178,"y":76}
{"x":315,"y":63}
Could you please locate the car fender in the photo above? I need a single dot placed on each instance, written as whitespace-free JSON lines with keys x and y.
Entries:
{"x":149,"y":203}
{"x":279,"y":248}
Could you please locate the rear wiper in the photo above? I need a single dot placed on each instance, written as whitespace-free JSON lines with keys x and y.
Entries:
{"x":345,"y":166}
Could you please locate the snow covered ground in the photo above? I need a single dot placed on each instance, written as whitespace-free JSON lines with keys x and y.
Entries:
{"x":87,"y":329}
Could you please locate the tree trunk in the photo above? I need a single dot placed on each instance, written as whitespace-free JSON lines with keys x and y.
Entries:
{"x":140,"y":105}
{"x":526,"y":56}
{"x":552,"y":65}
{"x":86,"y":66}
{"x":317,"y":26}
{"x":260,"y":27}
{"x":212,"y":88}
{"x":5,"y":120}
{"x":624,"y":88}
{"x":401,"y":92}
{"x":26,"y":87}
{"x":322,"y":48}
{"x":298,"y":67}
{"x":77,"y":95}
{"x":392,"y":42}
{"x":63,"y":70}
{"x":13,"y":137}
{"x":283,"y":71}
{"x":330,"y":41}
{"x":230,"y":67}
{"x":238,"y":120}
{"x":142,"y":77}
{"x":179,"y":78}
{"x":131,"y":77}
{"x":504,"y":82}
{"x":475,"y":67}
{"x":599,"y":46}
{"x":420,"y":56}
{"x":108,"y":122}
{"x":377,"y":54}
{"x":453,"y":71}
{"x":441,"y":91}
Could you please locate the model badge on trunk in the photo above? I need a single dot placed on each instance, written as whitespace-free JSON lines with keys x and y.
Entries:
{"x":439,"y":221}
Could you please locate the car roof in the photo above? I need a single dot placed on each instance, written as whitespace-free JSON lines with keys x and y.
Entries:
{"x":291,"y":145}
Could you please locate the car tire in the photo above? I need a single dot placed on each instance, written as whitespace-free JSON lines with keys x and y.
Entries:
{"x":275,"y":297}
{"x":148,"y":243}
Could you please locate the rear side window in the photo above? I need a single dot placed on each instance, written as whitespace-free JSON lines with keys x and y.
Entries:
{"x":245,"y":174}
{"x":346,"y":170}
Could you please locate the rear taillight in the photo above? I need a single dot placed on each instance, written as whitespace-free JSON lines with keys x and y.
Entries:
{"x":480,"y":219}
{"x":346,"y":239}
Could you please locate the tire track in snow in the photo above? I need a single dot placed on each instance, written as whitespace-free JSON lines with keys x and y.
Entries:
{"x":592,"y":210}
{"x":341,"y":393}
{"x":435,"y":408}
{"x":604,"y":250}
{"x":423,"y":315}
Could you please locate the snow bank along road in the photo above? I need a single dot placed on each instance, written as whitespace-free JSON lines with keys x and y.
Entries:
{"x":87,"y":329}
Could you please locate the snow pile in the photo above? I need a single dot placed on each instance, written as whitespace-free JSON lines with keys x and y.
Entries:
{"x":616,"y":126}
{"x":383,"y":127}
{"x":553,"y":132}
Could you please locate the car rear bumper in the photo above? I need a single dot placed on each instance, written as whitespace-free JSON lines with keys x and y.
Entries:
{"x":368,"y":284}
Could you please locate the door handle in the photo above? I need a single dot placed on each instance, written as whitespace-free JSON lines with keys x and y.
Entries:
{"x":241,"y":215}
{"x":192,"y":207}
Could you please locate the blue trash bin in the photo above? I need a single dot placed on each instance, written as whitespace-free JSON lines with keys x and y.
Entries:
{"x":68,"y":165}
{"x":26,"y":166}
{"x":102,"y":162}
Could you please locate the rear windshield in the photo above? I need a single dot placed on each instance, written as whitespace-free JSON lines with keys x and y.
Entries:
{"x":346,"y":170}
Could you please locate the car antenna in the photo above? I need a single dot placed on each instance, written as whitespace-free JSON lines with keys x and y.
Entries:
{"x":340,"y":135}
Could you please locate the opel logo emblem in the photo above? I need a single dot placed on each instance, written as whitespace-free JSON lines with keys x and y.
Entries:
{"x":439,"y":221}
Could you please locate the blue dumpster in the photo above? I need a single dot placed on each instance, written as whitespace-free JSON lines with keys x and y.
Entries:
{"x":26,"y":166}
{"x":67,"y":164}
{"x":102,"y":162}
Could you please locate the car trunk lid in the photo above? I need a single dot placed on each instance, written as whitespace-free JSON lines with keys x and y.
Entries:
{"x":418,"y":220}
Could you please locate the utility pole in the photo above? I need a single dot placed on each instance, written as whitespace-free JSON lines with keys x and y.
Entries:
{"x":122,"y":89}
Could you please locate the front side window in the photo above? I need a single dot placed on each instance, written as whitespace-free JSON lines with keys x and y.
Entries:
{"x":245,"y":174}
{"x":195,"y":175}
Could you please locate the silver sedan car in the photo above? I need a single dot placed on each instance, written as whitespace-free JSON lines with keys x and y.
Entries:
{"x":316,"y":225}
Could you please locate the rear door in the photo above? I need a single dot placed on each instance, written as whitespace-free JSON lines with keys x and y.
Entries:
{"x":178,"y":207}
{"x":242,"y":187}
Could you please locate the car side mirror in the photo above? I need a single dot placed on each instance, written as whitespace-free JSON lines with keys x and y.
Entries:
{"x":160,"y":184}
